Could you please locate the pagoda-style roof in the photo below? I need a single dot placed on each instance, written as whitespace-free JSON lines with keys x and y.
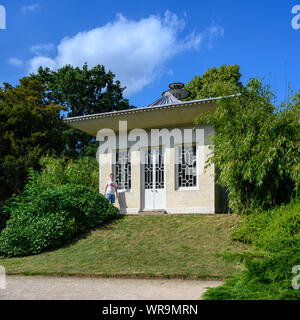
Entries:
{"x":166,"y":99}
{"x":160,"y":116}
{"x":168,"y":111}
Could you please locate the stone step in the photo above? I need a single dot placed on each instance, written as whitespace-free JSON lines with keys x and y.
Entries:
{"x":152,"y":212}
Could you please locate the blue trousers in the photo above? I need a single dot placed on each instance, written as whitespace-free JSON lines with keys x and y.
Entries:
{"x":111,"y":198}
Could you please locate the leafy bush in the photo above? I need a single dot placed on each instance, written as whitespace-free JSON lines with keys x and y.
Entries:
{"x":245,"y":287}
{"x":44,"y":218}
{"x":275,"y":236}
{"x":279,"y":224}
{"x":59,"y":171}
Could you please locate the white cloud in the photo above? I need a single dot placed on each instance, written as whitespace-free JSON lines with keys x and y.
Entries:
{"x":214,"y":32}
{"x":36,"y":62}
{"x":30,"y":8}
{"x":135,"y":51}
{"x":16,"y":62}
{"x":170,"y":72}
{"x":40,"y":49}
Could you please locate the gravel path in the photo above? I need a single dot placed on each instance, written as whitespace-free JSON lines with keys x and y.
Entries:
{"x":74,"y":288}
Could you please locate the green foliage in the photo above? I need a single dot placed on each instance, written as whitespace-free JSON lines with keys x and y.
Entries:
{"x":82,"y":91}
{"x":44,"y":218}
{"x":256,"y":148}
{"x":243,"y":287}
{"x":216,"y":82}
{"x":59,"y":171}
{"x":295,"y":113}
{"x":29,"y":129}
{"x":257,"y":152}
{"x":280,"y":223}
{"x":275,"y":236}
{"x":4,"y":216}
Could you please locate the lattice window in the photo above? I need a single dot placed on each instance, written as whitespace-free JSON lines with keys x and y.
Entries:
{"x":186,"y":166}
{"x":154,"y":169}
{"x":123,"y":170}
{"x":148,"y":170}
{"x":159,"y":169}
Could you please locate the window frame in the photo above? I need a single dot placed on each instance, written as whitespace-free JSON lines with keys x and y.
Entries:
{"x":190,"y":188}
{"x":115,"y":169}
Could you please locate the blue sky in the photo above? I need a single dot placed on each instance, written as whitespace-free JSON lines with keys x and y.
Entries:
{"x":149,"y":44}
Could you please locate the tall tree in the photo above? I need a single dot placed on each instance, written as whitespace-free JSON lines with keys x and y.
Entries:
{"x":216,"y":82}
{"x":29,"y":129}
{"x":256,"y":148}
{"x":294,"y":110}
{"x":82,"y":91}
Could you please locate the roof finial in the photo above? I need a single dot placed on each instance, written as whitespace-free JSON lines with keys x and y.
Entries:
{"x":176,"y":89}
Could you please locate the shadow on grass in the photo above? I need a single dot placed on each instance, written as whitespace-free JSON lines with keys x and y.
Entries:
{"x":107,"y":225}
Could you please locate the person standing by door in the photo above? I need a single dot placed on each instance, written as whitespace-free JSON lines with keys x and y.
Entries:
{"x":111,"y":189}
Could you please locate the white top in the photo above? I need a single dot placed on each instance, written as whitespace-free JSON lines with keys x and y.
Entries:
{"x":110,"y":187}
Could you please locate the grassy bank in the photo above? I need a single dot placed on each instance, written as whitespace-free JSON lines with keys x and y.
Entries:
{"x":164,"y":246}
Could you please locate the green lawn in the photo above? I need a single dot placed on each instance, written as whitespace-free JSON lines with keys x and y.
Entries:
{"x":166,"y":246}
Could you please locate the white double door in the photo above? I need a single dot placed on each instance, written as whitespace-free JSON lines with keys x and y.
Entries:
{"x":154,"y":179}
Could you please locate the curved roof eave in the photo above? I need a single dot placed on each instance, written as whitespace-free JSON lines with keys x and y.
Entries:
{"x":143,"y":109}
